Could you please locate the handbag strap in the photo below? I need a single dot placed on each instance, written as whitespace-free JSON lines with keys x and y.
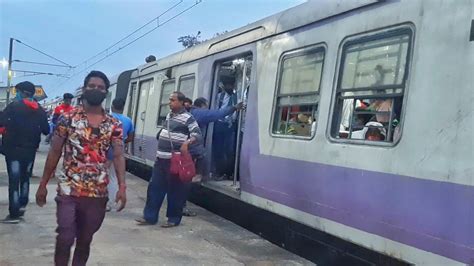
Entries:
{"x":169,"y":132}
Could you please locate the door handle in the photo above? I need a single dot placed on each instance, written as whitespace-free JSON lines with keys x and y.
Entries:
{"x":142,"y":116}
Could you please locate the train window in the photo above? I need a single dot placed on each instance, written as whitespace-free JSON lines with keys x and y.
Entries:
{"x":133,"y":95}
{"x":186,"y":86}
{"x":167,"y":89}
{"x":371,"y":86}
{"x":298,"y":93}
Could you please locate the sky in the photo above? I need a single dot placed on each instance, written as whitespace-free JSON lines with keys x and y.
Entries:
{"x":73,"y":31}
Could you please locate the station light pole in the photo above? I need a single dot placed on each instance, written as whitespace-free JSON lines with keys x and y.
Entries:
{"x":9,"y":74}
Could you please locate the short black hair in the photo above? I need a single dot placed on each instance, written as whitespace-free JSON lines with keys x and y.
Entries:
{"x":187,"y":100}
{"x":118,"y":104}
{"x":181,"y":97}
{"x":199,"y":102}
{"x":228,"y":80}
{"x":68,"y":96}
{"x":97,"y":74}
{"x":26,"y":87}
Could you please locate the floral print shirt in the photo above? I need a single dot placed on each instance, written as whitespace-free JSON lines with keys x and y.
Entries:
{"x":85,"y":172}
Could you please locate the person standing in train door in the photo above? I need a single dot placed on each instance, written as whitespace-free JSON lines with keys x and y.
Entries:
{"x":180,"y":130}
{"x":86,"y":133}
{"x":224,"y":135}
{"x":24,"y":121}
{"x":204,"y":117}
{"x":128,"y":130}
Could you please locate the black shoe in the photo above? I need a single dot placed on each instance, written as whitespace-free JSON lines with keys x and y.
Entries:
{"x":10,"y":220}
{"x":21,"y":212}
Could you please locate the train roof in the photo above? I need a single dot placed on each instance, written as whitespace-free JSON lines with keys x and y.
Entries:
{"x":293,"y":18}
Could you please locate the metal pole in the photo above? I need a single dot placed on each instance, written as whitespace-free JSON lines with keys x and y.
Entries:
{"x":9,"y":75}
{"x":239,"y":126}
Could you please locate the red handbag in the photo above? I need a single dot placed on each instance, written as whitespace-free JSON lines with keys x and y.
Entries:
{"x":182,"y":164}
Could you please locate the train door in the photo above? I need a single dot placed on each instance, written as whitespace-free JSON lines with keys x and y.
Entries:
{"x":139,"y":118}
{"x":132,"y":98}
{"x":231,"y":86}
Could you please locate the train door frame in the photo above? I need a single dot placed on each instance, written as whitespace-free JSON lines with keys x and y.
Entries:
{"x":247,"y":56}
{"x":132,"y":97}
{"x":141,"y":117}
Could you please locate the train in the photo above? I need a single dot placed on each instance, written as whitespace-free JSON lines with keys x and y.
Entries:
{"x":316,"y":79}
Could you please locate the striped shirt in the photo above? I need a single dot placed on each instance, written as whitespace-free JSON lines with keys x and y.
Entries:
{"x":182,"y":126}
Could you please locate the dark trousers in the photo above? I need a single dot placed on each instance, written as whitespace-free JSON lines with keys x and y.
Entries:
{"x":223,"y":148}
{"x":78,"y":219}
{"x":162,"y":184}
{"x":19,"y":173}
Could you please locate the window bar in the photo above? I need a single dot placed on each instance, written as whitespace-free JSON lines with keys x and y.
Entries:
{"x":352,"y":117}
{"x":397,"y":67}
{"x":287,"y":118}
{"x":390,"y":119}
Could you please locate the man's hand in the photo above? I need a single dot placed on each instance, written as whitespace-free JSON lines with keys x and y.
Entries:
{"x":41,"y":195}
{"x":121,"y":197}
{"x":239,"y":106}
{"x":184,"y":147}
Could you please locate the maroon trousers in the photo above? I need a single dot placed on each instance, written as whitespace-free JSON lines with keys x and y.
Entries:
{"x":78,"y":219}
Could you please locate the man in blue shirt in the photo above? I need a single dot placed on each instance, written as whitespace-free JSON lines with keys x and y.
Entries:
{"x":128,"y":136}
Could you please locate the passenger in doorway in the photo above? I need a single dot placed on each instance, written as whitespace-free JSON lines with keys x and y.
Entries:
{"x":24,"y":121}
{"x":179,"y":131}
{"x":224,"y":135}
{"x":204,"y":117}
{"x":86,"y":133}
{"x":187,"y":104}
{"x":128,"y":136}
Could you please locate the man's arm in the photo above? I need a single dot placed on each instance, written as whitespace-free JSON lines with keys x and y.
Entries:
{"x":194,"y":131}
{"x":54,"y":155}
{"x":214,"y":115}
{"x":130,"y":137}
{"x":119,"y":165}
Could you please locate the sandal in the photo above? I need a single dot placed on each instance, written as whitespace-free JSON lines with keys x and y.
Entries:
{"x":142,"y":221}
{"x":169,"y":225}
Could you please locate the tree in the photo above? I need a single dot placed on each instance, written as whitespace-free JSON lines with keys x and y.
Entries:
{"x":190,"y":40}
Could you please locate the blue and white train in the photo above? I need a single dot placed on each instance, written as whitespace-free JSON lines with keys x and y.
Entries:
{"x":317,"y":78}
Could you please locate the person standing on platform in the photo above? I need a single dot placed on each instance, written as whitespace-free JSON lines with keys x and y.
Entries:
{"x":180,"y":130}
{"x":24,"y":121}
{"x":85,"y":134}
{"x":128,"y":136}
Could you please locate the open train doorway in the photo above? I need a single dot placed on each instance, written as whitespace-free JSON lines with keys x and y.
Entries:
{"x":231,"y":87}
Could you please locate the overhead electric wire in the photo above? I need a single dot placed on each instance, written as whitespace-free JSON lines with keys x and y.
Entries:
{"x":135,"y":31}
{"x":40,"y":63}
{"x":131,"y":42}
{"x":43,"y":53}
{"x":39,"y":73}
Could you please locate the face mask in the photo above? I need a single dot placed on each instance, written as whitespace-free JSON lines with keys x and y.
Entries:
{"x":94,"y":97}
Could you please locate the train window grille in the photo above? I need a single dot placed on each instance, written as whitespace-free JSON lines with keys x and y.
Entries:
{"x":297,"y":97}
{"x":371,"y":86}
{"x":186,"y":85}
{"x":168,"y":87}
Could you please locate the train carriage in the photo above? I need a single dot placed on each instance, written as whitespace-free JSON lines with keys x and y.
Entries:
{"x":320,"y":80}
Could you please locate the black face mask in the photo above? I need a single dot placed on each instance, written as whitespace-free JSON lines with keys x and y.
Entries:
{"x":94,"y":97}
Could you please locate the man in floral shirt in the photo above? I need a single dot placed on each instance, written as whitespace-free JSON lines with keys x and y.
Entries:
{"x":86,"y":134}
